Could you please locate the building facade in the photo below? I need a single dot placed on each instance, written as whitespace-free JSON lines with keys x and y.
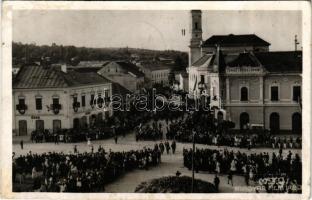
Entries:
{"x":47,"y":98}
{"x":124,"y":73}
{"x":156,"y":73}
{"x":249,"y":84}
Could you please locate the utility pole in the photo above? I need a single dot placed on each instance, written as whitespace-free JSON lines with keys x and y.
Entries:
{"x":193,"y":152}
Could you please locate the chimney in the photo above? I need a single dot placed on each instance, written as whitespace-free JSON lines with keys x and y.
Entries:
{"x":64,"y":68}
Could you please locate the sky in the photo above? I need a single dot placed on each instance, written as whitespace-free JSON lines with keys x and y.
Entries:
{"x":160,"y":30}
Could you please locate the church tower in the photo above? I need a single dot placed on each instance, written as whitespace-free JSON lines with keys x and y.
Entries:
{"x":196,"y":36}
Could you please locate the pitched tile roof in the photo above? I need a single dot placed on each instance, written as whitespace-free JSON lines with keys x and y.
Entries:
{"x":234,"y":40}
{"x":127,"y":66}
{"x":281,"y":61}
{"x":209,"y":60}
{"x":119,"y":89}
{"x":130,"y":68}
{"x":48,"y":77}
{"x":245,"y":59}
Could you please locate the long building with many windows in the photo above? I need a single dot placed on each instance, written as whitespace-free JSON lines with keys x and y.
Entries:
{"x":45,"y":97}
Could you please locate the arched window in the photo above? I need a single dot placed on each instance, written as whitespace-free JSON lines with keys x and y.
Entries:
{"x":296,"y":123}
{"x":274,"y":123}
{"x":244,"y":120}
{"x":244,"y":94}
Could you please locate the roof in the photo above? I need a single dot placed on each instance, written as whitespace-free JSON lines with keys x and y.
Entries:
{"x":86,"y":69}
{"x":245,"y":59}
{"x":209,"y":60}
{"x":91,"y":63}
{"x":119,"y":89}
{"x":281,"y":61}
{"x":127,"y":66}
{"x":235,"y":40}
{"x":48,"y":77}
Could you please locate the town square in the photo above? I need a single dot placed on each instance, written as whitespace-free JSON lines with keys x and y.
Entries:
{"x":178,"y":104}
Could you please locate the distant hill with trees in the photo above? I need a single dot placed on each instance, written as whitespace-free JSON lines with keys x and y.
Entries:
{"x":30,"y":53}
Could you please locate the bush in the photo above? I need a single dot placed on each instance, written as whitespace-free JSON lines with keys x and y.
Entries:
{"x":174,"y":184}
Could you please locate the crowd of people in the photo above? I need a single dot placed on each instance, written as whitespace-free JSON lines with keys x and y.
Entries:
{"x":148,"y":132}
{"x":81,"y":172}
{"x":206,"y":130}
{"x":253,"y":167}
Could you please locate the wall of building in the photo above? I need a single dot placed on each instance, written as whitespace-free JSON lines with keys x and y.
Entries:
{"x":160,"y":76}
{"x":259,"y":111}
{"x":66,"y":114}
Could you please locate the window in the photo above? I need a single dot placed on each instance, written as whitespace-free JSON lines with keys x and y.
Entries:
{"x":83,"y":100}
{"x":21,"y":101}
{"x":106,"y":93}
{"x":75,"y":99}
{"x":244,"y":94}
{"x":56,"y":101}
{"x":38,"y":103}
{"x":274,"y":93}
{"x":202,"y":78}
{"x":92,"y":99}
{"x":196,"y":25}
{"x":296,"y":93}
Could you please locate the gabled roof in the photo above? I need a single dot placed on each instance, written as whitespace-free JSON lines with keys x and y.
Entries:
{"x":235,"y":40}
{"x":245,"y":59}
{"x":273,"y":61}
{"x":48,"y":77}
{"x":127,"y":66}
{"x":281,"y":61}
{"x":209,"y":60}
{"x":119,"y":89}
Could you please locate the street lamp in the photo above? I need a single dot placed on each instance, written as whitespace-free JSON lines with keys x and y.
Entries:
{"x":193,"y":152}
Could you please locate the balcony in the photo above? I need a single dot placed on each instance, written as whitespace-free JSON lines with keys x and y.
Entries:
{"x":76,"y":105}
{"x":244,"y":70}
{"x":56,"y":108}
{"x":21,"y":108}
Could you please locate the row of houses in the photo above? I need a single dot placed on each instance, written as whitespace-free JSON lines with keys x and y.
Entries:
{"x":58,"y":96}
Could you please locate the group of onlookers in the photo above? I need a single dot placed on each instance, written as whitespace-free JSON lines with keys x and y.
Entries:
{"x":81,"y":172}
{"x":253,"y":167}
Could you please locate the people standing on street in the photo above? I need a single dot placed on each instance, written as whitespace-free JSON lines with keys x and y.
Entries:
{"x":216,"y":182}
{"x":167,"y":147}
{"x":173,"y":146}
{"x":22,"y":144}
{"x":230,"y":178}
{"x":161,"y":147}
{"x":75,"y":149}
{"x":116,"y":138}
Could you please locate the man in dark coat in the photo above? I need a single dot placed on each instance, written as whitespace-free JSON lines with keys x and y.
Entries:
{"x":167,"y":147}
{"x":161,"y":147}
{"x":173,"y":146}
{"x":216,"y":182}
{"x":22,"y":144}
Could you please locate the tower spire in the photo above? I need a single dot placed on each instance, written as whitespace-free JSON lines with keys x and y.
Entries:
{"x":196,"y":36}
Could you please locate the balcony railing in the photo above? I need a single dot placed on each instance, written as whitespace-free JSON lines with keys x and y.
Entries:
{"x":21,"y":108}
{"x":244,"y":70}
{"x":56,"y":108}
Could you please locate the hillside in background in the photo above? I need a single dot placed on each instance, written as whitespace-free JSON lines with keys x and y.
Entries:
{"x":29,"y":53}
